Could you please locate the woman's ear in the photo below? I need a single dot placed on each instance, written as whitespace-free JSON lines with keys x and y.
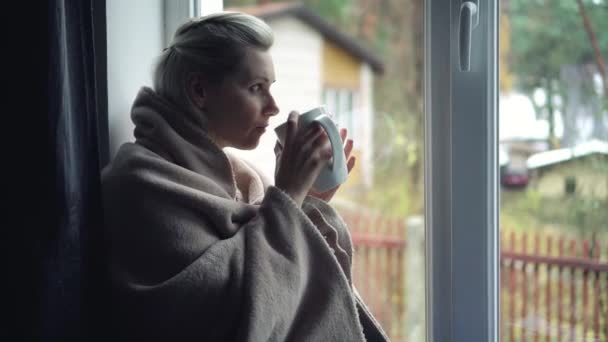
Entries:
{"x":196,"y":90}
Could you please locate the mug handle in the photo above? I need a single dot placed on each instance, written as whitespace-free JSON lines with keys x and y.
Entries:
{"x":337,"y":149}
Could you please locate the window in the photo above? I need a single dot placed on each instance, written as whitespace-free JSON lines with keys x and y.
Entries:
{"x":554,"y":191}
{"x":426,"y":231}
{"x":454,"y":136}
{"x":341,"y":104}
{"x":462,"y":170}
{"x":350,"y":56}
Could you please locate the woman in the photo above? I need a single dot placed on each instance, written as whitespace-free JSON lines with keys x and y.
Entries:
{"x":202,"y":246}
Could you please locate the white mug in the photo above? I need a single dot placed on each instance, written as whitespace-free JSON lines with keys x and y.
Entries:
{"x":335,"y":172}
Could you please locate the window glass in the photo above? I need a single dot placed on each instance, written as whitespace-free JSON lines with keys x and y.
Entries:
{"x":330,"y":102}
{"x":554,"y":176}
{"x":364,"y":63}
{"x":339,"y":103}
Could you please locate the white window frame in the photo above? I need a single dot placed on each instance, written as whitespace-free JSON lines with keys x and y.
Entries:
{"x":177,"y":11}
{"x":330,"y":100}
{"x":340,"y":103}
{"x":461,"y":176}
{"x":209,"y":6}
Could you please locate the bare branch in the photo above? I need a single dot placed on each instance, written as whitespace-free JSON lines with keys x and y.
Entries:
{"x":598,"y":54}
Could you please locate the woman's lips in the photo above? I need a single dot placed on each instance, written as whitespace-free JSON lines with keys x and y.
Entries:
{"x":261,"y":128}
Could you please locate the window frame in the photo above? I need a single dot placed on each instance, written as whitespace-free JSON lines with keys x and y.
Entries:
{"x":461,"y":176}
{"x":204,"y":7}
{"x":340,"y":102}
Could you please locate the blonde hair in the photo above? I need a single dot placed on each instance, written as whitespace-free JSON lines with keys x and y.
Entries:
{"x":213,"y":45}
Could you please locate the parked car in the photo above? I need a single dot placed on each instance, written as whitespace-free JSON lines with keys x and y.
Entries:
{"x":515,"y":178}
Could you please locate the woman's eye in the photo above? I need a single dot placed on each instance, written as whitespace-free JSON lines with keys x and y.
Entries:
{"x":255,"y":88}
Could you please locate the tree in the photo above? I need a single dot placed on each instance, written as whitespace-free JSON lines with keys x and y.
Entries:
{"x":599,"y":59}
{"x":546,"y":37}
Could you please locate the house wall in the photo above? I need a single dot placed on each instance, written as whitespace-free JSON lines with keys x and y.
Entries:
{"x":297,"y":59}
{"x":518,"y":160}
{"x":361,"y":178}
{"x":591,"y":177}
{"x":340,"y":69}
{"x":520,"y":151}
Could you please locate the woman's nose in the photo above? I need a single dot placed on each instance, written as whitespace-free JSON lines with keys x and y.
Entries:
{"x":271,"y":107}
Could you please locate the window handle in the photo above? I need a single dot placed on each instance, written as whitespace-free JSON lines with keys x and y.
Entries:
{"x":469,"y":19}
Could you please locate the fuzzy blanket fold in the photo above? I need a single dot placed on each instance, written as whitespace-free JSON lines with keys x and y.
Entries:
{"x":204,"y":249}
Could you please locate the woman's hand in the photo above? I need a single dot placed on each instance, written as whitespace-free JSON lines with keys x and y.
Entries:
{"x":302,"y":157}
{"x":350,"y":163}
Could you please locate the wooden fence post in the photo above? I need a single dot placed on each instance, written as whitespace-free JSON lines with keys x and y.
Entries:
{"x":415,"y":279}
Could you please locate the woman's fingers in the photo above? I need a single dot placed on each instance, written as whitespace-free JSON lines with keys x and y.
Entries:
{"x":348,"y":148}
{"x":292,"y":128}
{"x":315,"y":141}
{"x":350,"y":164}
{"x":343,"y":133}
{"x":323,"y":146}
{"x":302,"y":157}
{"x":310,"y":133}
{"x":319,"y":152}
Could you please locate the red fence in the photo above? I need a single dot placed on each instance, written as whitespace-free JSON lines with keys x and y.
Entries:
{"x":379,"y":269}
{"x":552,"y":289}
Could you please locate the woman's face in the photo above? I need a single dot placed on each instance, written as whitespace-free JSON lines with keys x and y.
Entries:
{"x":239,"y":108}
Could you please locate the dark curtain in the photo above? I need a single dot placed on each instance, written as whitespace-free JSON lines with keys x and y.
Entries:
{"x":58,"y":80}
{"x":72,"y":260}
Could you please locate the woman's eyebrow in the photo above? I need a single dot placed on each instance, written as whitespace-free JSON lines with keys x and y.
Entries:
{"x":264,"y":78}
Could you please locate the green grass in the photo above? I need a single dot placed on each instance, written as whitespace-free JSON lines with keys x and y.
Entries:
{"x":573,"y":216}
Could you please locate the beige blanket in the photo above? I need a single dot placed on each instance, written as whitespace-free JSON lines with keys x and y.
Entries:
{"x":204,"y":249}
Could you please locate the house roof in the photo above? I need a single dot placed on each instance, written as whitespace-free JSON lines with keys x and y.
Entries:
{"x":547,"y":158}
{"x":272,"y":11}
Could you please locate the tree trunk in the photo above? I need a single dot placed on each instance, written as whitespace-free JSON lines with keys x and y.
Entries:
{"x":572,"y":84}
{"x":581,"y":111}
{"x":551,"y":139}
{"x":596,"y":50}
